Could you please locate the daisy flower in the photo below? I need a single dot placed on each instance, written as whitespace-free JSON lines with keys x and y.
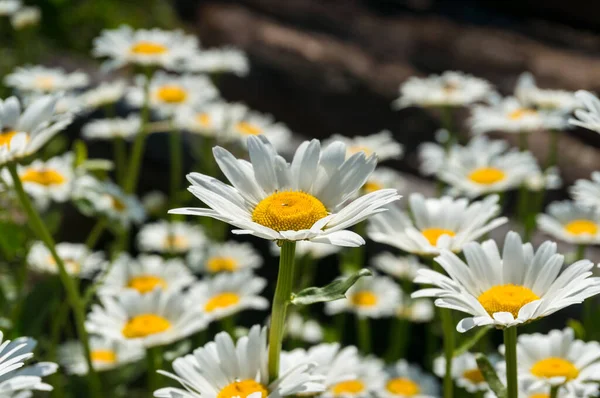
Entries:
{"x":225,"y":369}
{"x":153,"y":319}
{"x":571,"y":222}
{"x":16,"y":379}
{"x":26,"y":16}
{"x":304,"y":200}
{"x":147,"y":47}
{"x":176,"y":237}
{"x":305,"y":248}
{"x":589,"y":117}
{"x":9,"y":7}
{"x":78,"y":259}
{"x":417,"y":310}
{"x":145,"y":274}
{"x":382,"y":144}
{"x":439,"y":223}
{"x":548,"y":179}
{"x":517,"y":287}
{"x":41,"y":79}
{"x":227,"y":294}
{"x":307,"y":330}
{"x":368,"y":379}
{"x":109,"y":129}
{"x":218,"y":60}
{"x":370,"y":297}
{"x":209,"y":120}
{"x":384,"y":177}
{"x":529,"y":94}
{"x":400,"y":267}
{"x":405,"y":380}
{"x":106,"y":355}
{"x":586,"y":192}
{"x":225,"y":257}
{"x":22,"y":134}
{"x":106,"y":93}
{"x":448,"y":89}
{"x":465,"y":372}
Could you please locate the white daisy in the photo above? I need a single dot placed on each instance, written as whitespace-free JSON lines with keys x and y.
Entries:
{"x":154,"y":47}
{"x":406,"y":380}
{"x":176,"y":237}
{"x":208,"y":120}
{"x":517,"y":287}
{"x":400,"y":267}
{"x":78,"y":259}
{"x":156,"y":318}
{"x":589,"y":117}
{"x":382,"y":144}
{"x":370,"y":297}
{"x":9,"y":7}
{"x":465,"y":372}
{"x":106,"y":93}
{"x":225,"y":257}
{"x":227,"y":294}
{"x":527,"y":92}
{"x":108,"y":129}
{"x":16,"y":379}
{"x":224,"y":369}
{"x":439,"y":223}
{"x":218,"y":60}
{"x":26,"y":16}
{"x":384,"y":177}
{"x":571,"y":222}
{"x":587,"y":192}
{"x":548,"y":179}
{"x":368,"y":380}
{"x":144,"y":274}
{"x":41,"y":79}
{"x":448,"y":89}
{"x":105,"y":354}
{"x":416,"y":310}
{"x":22,"y":134}
{"x":304,"y":200}
{"x":155,"y":202}
{"x":169,"y":92}
{"x":306,"y":248}
{"x":307,"y":330}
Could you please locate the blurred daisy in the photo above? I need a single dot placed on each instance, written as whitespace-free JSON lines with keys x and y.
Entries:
{"x":548,"y":179}
{"x":370,"y":297}
{"x":176,"y":237}
{"x":9,"y":7}
{"x":25,"y":17}
{"x":16,"y":379}
{"x":400,"y":267}
{"x":587,"y":193}
{"x":144,"y":274}
{"x":368,"y":379}
{"x":225,"y":257}
{"x":589,"y":117}
{"x":405,"y":380}
{"x":300,"y":329}
{"x":382,"y":144}
{"x":417,"y":310}
{"x":154,"y":202}
{"x":227,"y":294}
{"x":218,"y":60}
{"x":224,"y":369}
{"x":78,"y":259}
{"x":41,"y":79}
{"x":106,"y":355}
{"x":529,"y":94}
{"x":384,"y":177}
{"x":439,"y":223}
{"x":148,"y":47}
{"x":304,"y":200}
{"x":106,"y":93}
{"x":448,"y":89}
{"x":518,"y":287}
{"x":571,"y":222}
{"x":465,"y":372}
{"x":156,"y":318}
{"x":209,"y":120}
{"x":109,"y":129}
{"x":22,"y":134}
{"x":305,"y":248}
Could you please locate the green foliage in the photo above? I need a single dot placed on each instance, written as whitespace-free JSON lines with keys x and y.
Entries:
{"x":334,"y":291}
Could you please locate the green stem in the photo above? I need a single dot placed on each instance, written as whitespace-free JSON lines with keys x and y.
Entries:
{"x":449,"y":338}
{"x":554,"y":391}
{"x":523,"y":141}
{"x":283,"y":292}
{"x":95,"y":234}
{"x":58,"y":323}
{"x":137,"y":152}
{"x":553,"y":150}
{"x":72,"y":294}
{"x":446,"y":122}
{"x":176,"y":165}
{"x":120,"y":155}
{"x":510,"y":344}
{"x":397,"y":340}
{"x":363,"y":330}
{"x":580,"y":254}
{"x":228,"y":325}
{"x":154,"y":363}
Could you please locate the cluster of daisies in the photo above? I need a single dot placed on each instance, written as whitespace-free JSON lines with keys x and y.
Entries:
{"x":20,"y":15}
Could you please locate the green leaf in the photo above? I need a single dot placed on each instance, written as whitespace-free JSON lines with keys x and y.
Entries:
{"x":472,"y":340}
{"x":577,"y":328}
{"x":81,"y":152}
{"x":97,"y":165}
{"x":334,"y":291}
{"x":490,"y":376}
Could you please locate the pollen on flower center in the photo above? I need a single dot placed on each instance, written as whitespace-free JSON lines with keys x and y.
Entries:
{"x":117,"y":203}
{"x":6,"y":137}
{"x":45,"y":177}
{"x":359,"y":148}
{"x":372,"y":186}
{"x":146,"y":283}
{"x":44,"y":82}
{"x":580,"y":227}
{"x":171,"y":94}
{"x":540,"y":395}
{"x":203,"y":119}
{"x":289,"y":211}
{"x":148,"y":48}
{"x":105,"y":356}
{"x":222,"y":300}
{"x":221,"y":264}
{"x":364,"y":299}
{"x":248,"y":128}
{"x":555,"y":367}
{"x":403,"y":386}
{"x":348,"y":387}
{"x":474,"y":376}
{"x":145,"y":325}
{"x":521,"y":113}
{"x":433,"y":234}
{"x":487,"y":175}
{"x":242,"y":389}
{"x":506,"y":298}
{"x":177,"y":242}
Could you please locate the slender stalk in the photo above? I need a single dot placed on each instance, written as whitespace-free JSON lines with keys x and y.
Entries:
{"x":510,"y":344}
{"x":446,"y":122}
{"x":588,"y":305}
{"x":363,"y":330}
{"x":95,"y":233}
{"x":228,"y":324}
{"x":553,"y":150}
{"x":120,"y":155}
{"x":397,"y":340}
{"x":283,"y":292}
{"x":154,"y":362}
{"x":523,"y":141}
{"x":449,"y":342}
{"x":72,"y":294}
{"x":176,"y":165}
{"x":554,"y":391}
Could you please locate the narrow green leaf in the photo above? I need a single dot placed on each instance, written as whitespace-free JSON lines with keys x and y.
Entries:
{"x":472,"y":340}
{"x":97,"y":165}
{"x":334,"y":291}
{"x":578,"y":328}
{"x":81,"y":152}
{"x":490,"y":376}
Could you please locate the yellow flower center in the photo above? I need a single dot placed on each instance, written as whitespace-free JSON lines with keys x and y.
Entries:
{"x":6,"y":136}
{"x":44,"y":82}
{"x":45,"y":177}
{"x":105,"y":356}
{"x":176,"y":242}
{"x":203,"y":119}
{"x":580,"y":227}
{"x":221,"y":264}
{"x":117,"y":203}
{"x":555,"y":367}
{"x":433,"y":234}
{"x":145,"y":325}
{"x":403,"y":386}
{"x":148,"y":48}
{"x":171,"y":94}
{"x":146,"y":283}
{"x":521,"y":113}
{"x":248,"y":128}
{"x":487,"y":175}
{"x":359,"y":148}
{"x":372,"y":186}
{"x":348,"y":387}
{"x":540,"y":395}
{"x":289,"y":211}
{"x":222,"y":300}
{"x":242,"y":389}
{"x":474,"y":376}
{"x":72,"y":266}
{"x":364,"y":299}
{"x":506,"y":298}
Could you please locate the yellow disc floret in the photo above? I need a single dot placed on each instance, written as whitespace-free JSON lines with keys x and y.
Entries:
{"x":521,"y":113}
{"x":474,"y":376}
{"x":6,"y":136}
{"x":403,"y":387}
{"x":364,"y":298}
{"x":487,"y":175}
{"x":146,"y":283}
{"x":289,"y":211}
{"x":248,"y":129}
{"x":171,"y":94}
{"x":222,"y":300}
{"x":348,"y":387}
{"x":105,"y":356}
{"x":203,"y":119}
{"x":242,"y":389}
{"x":176,"y":242}
{"x":221,"y":264}
{"x":372,"y":186}
{"x":506,"y":298}
{"x":555,"y":367}
{"x":46,"y":177}
{"x":580,"y":227}
{"x":145,"y":325}
{"x":433,"y":234}
{"x":148,"y":48}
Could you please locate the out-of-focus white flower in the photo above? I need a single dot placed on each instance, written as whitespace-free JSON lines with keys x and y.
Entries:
{"x":109,"y":129}
{"x":400,"y":267}
{"x":106,"y":354}
{"x":41,"y":79}
{"x":106,"y":93}
{"x":307,"y":330}
{"x":416,"y":310}
{"x":77,"y":258}
{"x":371,"y":297}
{"x":382,"y":144}
{"x":9,"y":7}
{"x":176,"y":237}
{"x":406,"y":380}
{"x":530,"y":95}
{"x":544,"y":180}
{"x":25,"y":17}
{"x":154,"y":201}
{"x":369,"y":378}
{"x":209,"y":120}
{"x":384,"y":177}
{"x":589,"y":117}
{"x":587,"y":192}
{"x":465,"y":372}
{"x":225,"y":257}
{"x":218,"y":60}
{"x":571,"y":222}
